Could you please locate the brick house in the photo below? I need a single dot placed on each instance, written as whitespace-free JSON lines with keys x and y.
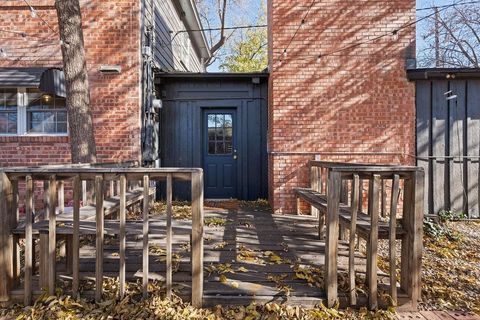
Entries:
{"x":326,"y":97}
{"x":33,"y":127}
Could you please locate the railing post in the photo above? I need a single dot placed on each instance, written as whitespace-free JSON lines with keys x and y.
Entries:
{"x":372,"y":242}
{"x":100,"y":235}
{"x":61,"y":197}
{"x":77,"y":186}
{"x":28,"y":241}
{"x":6,"y":240}
{"x":146,"y":189}
{"x":169,"y":237}
{"x":197,"y":238}
{"x":15,"y":216}
{"x":52,"y":234}
{"x":122,"y":191}
{"x":412,"y":245}
{"x":314,"y":185}
{"x":331,"y":244}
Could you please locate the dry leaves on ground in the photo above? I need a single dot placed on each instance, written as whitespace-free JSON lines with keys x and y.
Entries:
{"x":451,"y":269}
{"x":156,"y":306}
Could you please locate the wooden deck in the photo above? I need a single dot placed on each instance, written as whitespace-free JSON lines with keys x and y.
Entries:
{"x":251,"y":256}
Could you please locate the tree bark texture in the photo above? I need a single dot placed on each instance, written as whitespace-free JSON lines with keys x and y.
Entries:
{"x":82,"y":138}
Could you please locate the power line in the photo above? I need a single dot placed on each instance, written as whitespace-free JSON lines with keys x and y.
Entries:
{"x":299,"y":26}
{"x":394,"y":32}
{"x":447,"y":5}
{"x":35,"y":14}
{"x":218,"y":29}
{"x":25,"y":35}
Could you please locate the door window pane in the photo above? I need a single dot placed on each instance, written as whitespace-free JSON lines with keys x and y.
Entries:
{"x":220,"y":134}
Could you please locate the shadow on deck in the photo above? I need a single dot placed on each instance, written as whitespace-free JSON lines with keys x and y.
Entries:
{"x":250,"y":255}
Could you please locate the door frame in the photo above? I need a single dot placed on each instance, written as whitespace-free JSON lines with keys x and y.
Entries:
{"x":222,"y":107}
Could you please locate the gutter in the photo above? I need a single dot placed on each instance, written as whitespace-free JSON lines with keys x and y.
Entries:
{"x":443,"y":73}
{"x":191,"y":19}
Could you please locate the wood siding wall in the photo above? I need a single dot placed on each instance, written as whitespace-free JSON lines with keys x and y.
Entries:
{"x":180,"y":54}
{"x":448,"y":144}
{"x":181,"y":138}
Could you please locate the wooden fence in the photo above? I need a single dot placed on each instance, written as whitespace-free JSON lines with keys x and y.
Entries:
{"x":448,"y":138}
{"x":13,"y":228}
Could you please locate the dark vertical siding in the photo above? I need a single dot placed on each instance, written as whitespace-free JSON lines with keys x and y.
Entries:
{"x":448,"y":144}
{"x":182,"y":121}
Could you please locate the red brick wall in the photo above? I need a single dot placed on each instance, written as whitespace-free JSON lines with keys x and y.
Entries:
{"x":111,"y":32}
{"x":354,"y":105}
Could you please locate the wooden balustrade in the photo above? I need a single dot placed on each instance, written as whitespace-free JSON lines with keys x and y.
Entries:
{"x":107,"y":179}
{"x":340,"y":197}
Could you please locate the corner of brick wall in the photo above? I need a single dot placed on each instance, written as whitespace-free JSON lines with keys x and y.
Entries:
{"x":355,"y":105}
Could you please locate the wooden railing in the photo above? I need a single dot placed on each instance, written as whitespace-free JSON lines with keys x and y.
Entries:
{"x":16,"y":182}
{"x":345,"y":205}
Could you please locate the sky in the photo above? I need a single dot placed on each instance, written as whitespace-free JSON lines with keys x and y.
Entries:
{"x":420,"y":26}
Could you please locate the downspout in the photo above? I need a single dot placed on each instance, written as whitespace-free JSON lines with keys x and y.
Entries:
{"x":150,"y":123}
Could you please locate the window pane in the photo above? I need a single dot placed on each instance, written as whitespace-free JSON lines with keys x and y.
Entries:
{"x":211,"y":148}
{"x":49,"y":117}
{"x":62,"y":127}
{"x":211,"y":134}
{"x":12,"y":127}
{"x":48,"y":101}
{"x":49,"y":127}
{"x":211,"y":121}
{"x":228,"y":147}
{"x":60,"y":103}
{"x":220,"y":148}
{"x":219,"y":134}
{"x":228,"y":120}
{"x":62,"y":116}
{"x":36,"y":116}
{"x":35,"y":127}
{"x":12,"y":117}
{"x":3,"y":122}
{"x":34,"y":98}
{"x":228,"y":134}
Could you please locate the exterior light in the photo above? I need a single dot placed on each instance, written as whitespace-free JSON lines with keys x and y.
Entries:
{"x":47,"y":98}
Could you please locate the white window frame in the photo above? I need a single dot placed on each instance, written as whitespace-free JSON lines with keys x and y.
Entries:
{"x":22,"y":103}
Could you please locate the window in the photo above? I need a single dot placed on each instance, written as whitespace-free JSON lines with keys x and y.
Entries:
{"x":45,"y":113}
{"x":29,"y":111}
{"x":220,"y":132}
{"x":8,"y":111}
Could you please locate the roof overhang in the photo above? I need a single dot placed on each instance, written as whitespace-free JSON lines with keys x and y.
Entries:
{"x":209,"y":76}
{"x":443,"y":73}
{"x":21,"y":77}
{"x":191,"y":18}
{"x":47,"y":80}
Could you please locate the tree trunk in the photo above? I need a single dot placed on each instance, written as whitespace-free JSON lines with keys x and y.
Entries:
{"x":82,"y":138}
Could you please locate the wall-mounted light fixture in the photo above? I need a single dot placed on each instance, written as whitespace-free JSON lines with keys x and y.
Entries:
{"x":47,"y":98}
{"x":111,"y":69}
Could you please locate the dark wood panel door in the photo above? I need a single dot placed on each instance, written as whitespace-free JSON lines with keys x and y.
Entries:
{"x":220,"y":154}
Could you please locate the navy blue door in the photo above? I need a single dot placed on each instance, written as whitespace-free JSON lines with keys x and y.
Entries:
{"x":220,"y":154}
